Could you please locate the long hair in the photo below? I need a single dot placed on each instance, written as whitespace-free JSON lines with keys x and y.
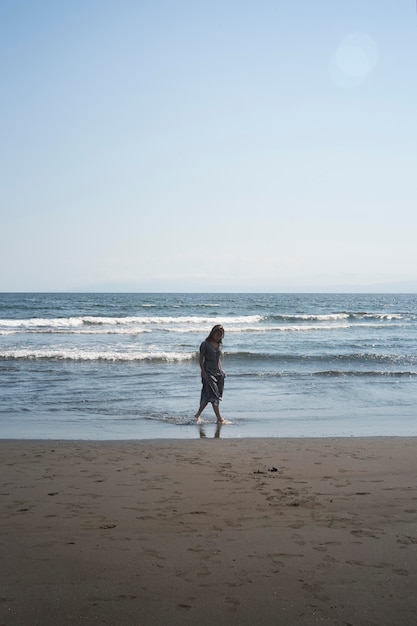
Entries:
{"x":213,"y":331}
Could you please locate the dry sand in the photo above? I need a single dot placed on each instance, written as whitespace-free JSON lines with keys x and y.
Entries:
{"x":211,"y":531}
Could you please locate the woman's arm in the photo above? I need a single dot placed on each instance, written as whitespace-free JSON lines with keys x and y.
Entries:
{"x":203,"y":371}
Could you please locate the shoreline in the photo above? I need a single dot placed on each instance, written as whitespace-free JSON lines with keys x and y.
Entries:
{"x":233,"y":531}
{"x":5,"y":441}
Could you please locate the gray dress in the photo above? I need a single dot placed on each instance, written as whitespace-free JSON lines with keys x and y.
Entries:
{"x":213,"y":385}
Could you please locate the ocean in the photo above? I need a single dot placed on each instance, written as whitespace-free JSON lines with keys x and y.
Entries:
{"x":125,"y":366}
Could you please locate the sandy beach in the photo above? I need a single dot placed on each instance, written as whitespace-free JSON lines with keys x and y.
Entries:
{"x":210,"y":531}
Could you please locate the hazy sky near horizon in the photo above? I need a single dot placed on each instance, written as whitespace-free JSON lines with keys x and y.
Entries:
{"x":222,"y":146}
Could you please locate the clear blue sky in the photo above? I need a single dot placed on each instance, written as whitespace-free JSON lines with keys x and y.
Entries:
{"x":208,"y":146}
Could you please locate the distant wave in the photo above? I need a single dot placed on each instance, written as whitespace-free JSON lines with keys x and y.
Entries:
{"x":74,"y":322}
{"x":195,"y":305}
{"x":263,"y":359}
{"x":88,"y":325}
{"x":307,"y":327}
{"x":331,"y":374}
{"x":381,"y":316}
{"x":94,"y":355}
{"x":359,"y":357}
{"x":340,"y":316}
{"x":363,"y":373}
{"x":271,"y":356}
{"x":309,"y":317}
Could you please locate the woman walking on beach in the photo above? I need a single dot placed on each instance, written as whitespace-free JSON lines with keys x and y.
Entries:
{"x":212,"y":374}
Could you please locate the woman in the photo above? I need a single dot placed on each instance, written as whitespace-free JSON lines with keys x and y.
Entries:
{"x":212,"y":375}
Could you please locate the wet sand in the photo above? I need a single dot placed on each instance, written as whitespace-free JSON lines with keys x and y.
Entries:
{"x":210,"y":531}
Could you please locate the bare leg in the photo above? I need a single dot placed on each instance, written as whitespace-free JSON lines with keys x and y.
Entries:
{"x":200,"y":410}
{"x":216,"y":409}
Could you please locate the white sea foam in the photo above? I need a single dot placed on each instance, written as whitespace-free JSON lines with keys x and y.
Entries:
{"x":183,"y":325}
{"x":187,"y":322}
{"x":42,"y":322}
{"x":98,"y":331}
{"x":342,"y":316}
{"x":323,"y":318}
{"x":206,"y":322}
{"x":74,"y":354}
{"x":381,"y":316}
{"x":264,"y":328}
{"x":311,"y":327}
